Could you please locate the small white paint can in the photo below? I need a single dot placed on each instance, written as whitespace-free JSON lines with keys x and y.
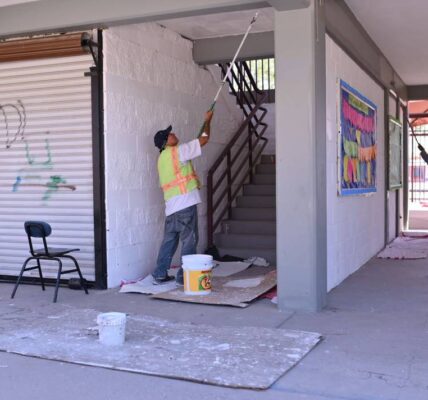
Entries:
{"x":197,"y":271}
{"x":111,"y":328}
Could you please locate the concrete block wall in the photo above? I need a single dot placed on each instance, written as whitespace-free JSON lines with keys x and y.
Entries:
{"x":355,"y":224}
{"x":150,"y":82}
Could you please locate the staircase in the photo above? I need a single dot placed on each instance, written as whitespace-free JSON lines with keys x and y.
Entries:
{"x":251,"y":228}
{"x":241,"y":214}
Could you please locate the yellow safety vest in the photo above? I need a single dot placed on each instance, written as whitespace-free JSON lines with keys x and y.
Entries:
{"x":175,"y":178}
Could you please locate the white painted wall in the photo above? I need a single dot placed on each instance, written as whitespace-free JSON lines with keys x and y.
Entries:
{"x":392,"y":209}
{"x":355,"y":225}
{"x":392,"y":197}
{"x":150,"y":82}
{"x":401,"y":194}
{"x":4,"y":3}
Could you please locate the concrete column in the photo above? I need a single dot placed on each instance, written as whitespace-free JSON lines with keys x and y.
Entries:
{"x":301,"y":157}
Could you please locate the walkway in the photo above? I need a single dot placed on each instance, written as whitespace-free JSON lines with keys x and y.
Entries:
{"x":375,"y":347}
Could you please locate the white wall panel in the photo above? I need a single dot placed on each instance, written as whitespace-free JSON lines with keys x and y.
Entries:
{"x":355,"y":224}
{"x":46,"y":159}
{"x":392,"y":198}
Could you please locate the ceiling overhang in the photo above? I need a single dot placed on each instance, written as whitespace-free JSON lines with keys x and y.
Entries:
{"x":65,"y":15}
{"x":398,"y":27}
{"x":348,"y":32}
{"x":218,"y":50}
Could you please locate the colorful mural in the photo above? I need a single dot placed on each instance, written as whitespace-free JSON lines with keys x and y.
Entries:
{"x":357,"y":143}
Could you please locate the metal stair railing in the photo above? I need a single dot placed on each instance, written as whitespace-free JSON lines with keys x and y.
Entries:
{"x":235,"y":165}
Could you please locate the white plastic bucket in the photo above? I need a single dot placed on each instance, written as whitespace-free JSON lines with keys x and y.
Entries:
{"x":111,"y":328}
{"x":197,"y":271}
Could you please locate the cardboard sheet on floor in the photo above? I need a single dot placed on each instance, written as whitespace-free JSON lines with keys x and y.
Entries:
{"x":145,"y":286}
{"x":228,"y":268}
{"x":244,"y":357}
{"x":406,"y":248}
{"x":224,"y":294}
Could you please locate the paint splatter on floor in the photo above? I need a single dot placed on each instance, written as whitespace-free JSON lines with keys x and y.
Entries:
{"x":244,"y":357}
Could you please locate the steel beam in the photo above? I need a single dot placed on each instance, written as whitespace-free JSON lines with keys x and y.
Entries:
{"x":218,"y":50}
{"x":417,"y":92}
{"x":287,"y":5}
{"x":65,"y":15}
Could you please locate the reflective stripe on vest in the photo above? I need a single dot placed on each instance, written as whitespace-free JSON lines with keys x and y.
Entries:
{"x":175,"y":179}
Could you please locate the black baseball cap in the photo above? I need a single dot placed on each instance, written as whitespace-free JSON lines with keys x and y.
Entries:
{"x":161,"y":138}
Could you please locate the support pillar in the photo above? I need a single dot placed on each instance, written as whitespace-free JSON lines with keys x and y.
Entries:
{"x":301,"y":157}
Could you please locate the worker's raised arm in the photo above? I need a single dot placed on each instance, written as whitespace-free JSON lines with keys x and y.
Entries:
{"x":205,"y":137}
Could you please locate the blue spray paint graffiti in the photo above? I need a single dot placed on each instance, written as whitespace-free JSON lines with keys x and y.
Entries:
{"x":27,"y":179}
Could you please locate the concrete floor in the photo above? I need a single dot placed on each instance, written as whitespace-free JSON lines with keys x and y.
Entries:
{"x":418,"y":218}
{"x":375,"y":347}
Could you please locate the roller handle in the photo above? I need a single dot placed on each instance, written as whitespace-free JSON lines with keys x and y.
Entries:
{"x":423,"y":153}
{"x":201,"y":131}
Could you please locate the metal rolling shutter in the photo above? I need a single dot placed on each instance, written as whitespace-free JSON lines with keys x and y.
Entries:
{"x":46,"y":159}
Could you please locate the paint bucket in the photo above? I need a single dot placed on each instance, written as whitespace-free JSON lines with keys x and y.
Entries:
{"x":111,"y":328}
{"x":197,"y":270}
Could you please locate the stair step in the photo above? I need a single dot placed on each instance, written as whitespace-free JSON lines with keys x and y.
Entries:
{"x":268,"y":159}
{"x":268,"y":254}
{"x":264,"y":179}
{"x":251,"y":214}
{"x":256,"y":201}
{"x":259,"y":190}
{"x":266,"y":169}
{"x":257,"y":227}
{"x":245,"y":240}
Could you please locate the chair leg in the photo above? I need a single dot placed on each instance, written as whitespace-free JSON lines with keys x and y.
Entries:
{"x":57,"y":279}
{"x":20,"y":276}
{"x":82,"y":281}
{"x":41,"y":275}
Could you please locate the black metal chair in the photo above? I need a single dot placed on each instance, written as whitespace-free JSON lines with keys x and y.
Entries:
{"x":40,"y":229}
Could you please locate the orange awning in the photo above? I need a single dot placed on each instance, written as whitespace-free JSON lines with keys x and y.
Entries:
{"x":418,"y":107}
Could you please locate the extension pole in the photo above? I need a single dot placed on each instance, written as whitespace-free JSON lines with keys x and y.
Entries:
{"x":421,"y":148}
{"x":230,"y":67}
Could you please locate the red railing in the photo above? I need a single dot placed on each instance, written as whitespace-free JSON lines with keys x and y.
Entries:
{"x":235,"y":165}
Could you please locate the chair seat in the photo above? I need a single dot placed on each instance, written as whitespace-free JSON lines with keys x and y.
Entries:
{"x":53,"y":251}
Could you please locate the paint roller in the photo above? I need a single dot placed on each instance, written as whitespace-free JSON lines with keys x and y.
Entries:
{"x":253,"y":20}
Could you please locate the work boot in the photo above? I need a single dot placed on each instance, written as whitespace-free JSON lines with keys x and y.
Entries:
{"x":162,"y":281}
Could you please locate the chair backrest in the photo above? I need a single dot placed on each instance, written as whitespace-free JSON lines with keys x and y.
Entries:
{"x":37,"y":229}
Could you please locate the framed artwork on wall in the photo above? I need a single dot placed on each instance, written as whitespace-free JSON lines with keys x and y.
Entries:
{"x":395,"y":167}
{"x":357,"y":144}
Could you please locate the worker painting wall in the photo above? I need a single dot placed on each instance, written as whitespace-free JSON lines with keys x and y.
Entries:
{"x":151,"y":82}
{"x":355,"y":224}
